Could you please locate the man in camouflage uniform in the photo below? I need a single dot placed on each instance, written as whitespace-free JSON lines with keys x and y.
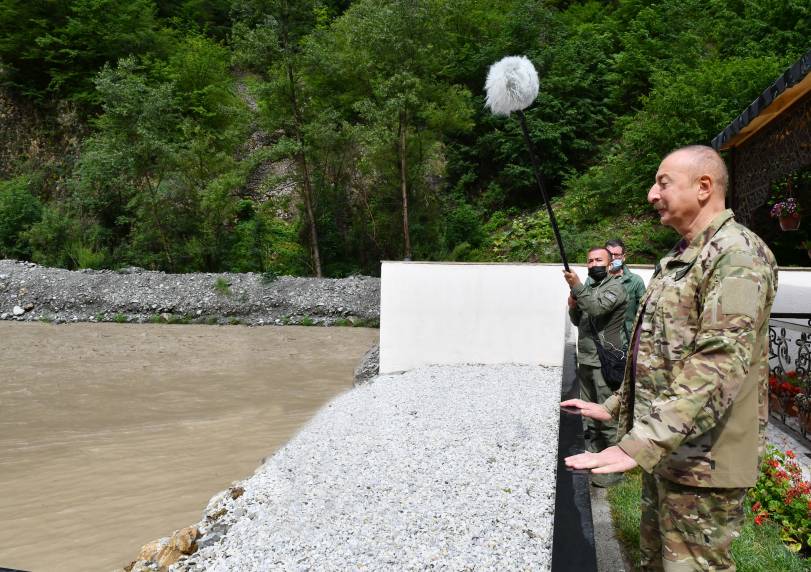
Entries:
{"x":692,"y":409}
{"x":597,"y":306}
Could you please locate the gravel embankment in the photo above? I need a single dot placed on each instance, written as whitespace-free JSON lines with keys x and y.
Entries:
{"x":449,"y":468}
{"x":32,"y":292}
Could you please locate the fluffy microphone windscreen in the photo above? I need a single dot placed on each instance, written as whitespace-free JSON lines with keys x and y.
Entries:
{"x":512,"y":85}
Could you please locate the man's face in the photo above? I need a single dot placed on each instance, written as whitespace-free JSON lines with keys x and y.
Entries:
{"x":598,"y":257}
{"x":616,"y":253}
{"x":674,"y":195}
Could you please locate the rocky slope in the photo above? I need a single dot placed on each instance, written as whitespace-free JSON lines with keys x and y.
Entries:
{"x":32,"y":292}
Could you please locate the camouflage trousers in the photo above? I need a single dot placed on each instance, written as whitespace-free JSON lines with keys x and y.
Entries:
{"x":688,"y":528}
{"x":594,"y":388}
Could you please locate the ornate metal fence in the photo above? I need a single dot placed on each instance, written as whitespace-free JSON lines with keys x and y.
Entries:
{"x":790,"y":370}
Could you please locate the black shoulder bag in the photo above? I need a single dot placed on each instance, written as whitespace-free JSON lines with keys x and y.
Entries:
{"x":612,"y":360}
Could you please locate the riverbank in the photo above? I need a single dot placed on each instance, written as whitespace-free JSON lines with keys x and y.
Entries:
{"x":446,"y":467}
{"x":112,"y":435}
{"x":29,"y":292}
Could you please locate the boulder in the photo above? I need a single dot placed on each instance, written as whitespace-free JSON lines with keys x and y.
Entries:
{"x":150,"y":550}
{"x":369,"y":366}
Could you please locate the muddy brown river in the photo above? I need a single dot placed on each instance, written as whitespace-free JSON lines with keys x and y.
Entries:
{"x":113,"y":435}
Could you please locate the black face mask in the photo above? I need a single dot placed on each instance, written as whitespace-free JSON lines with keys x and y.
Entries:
{"x":598,"y":273}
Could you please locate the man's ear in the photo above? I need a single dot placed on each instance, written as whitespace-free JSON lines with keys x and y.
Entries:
{"x":705,"y":187}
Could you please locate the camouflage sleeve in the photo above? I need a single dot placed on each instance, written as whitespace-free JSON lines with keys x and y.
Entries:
{"x":599,"y":301}
{"x":612,"y":404}
{"x":639,"y":287}
{"x":735,"y":294}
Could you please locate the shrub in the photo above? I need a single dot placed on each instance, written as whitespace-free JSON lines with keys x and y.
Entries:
{"x":19,"y":210}
{"x":782,"y":496}
{"x":222,"y":286}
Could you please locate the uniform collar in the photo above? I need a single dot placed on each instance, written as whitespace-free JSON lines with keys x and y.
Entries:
{"x":684,"y":253}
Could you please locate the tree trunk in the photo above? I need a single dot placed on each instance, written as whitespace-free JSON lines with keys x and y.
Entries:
{"x":153,"y":200}
{"x":403,"y":185}
{"x":306,"y":185}
{"x":308,"y":203}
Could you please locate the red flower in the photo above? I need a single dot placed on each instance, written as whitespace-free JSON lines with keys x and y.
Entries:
{"x":790,"y":454}
{"x":774,"y":463}
{"x":761,"y":517}
{"x":756,"y":506}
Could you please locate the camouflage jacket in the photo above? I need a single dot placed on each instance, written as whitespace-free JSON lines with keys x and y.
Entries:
{"x":605,"y":304}
{"x":697,"y":412}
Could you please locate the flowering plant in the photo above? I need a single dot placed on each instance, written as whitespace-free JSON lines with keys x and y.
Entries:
{"x":787,"y":207}
{"x":785,"y":385}
{"x":782,"y":496}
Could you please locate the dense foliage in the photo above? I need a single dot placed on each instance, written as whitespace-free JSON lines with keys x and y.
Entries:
{"x":321,"y":136}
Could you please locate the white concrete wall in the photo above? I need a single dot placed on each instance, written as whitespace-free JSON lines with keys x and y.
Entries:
{"x":450,"y":313}
{"x":445,"y":313}
{"x":793,"y":292}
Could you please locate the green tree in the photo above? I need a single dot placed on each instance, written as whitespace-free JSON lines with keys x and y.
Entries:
{"x":56,"y":47}
{"x":19,"y":210}
{"x":287,"y":23}
{"x":387,"y":62}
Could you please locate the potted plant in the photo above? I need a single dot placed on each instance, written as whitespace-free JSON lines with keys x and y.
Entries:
{"x":782,"y":390}
{"x":803,"y":403}
{"x":788,"y":213}
{"x":775,"y":404}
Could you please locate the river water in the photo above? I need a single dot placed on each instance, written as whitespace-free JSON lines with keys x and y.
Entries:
{"x":113,"y":435}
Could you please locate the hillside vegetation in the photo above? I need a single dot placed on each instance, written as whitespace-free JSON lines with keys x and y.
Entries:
{"x":317,"y":137}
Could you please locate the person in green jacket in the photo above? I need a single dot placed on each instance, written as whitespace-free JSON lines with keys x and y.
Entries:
{"x":597,"y":307}
{"x":693,"y":407}
{"x":633,"y":283}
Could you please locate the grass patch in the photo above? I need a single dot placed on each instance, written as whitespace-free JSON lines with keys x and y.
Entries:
{"x":155,"y":319}
{"x":367,"y":323}
{"x":222,"y":286}
{"x":120,"y":318}
{"x":758,"y":549}
{"x":343,"y":322}
{"x":269,"y":276}
{"x":624,"y":499}
{"x":306,"y":321}
{"x":45,"y":319}
{"x":211,"y":321}
{"x":234,"y":321}
{"x":179,"y":319}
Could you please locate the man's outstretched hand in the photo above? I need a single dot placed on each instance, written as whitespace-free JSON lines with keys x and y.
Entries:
{"x":588,"y":409}
{"x":610,"y":460}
